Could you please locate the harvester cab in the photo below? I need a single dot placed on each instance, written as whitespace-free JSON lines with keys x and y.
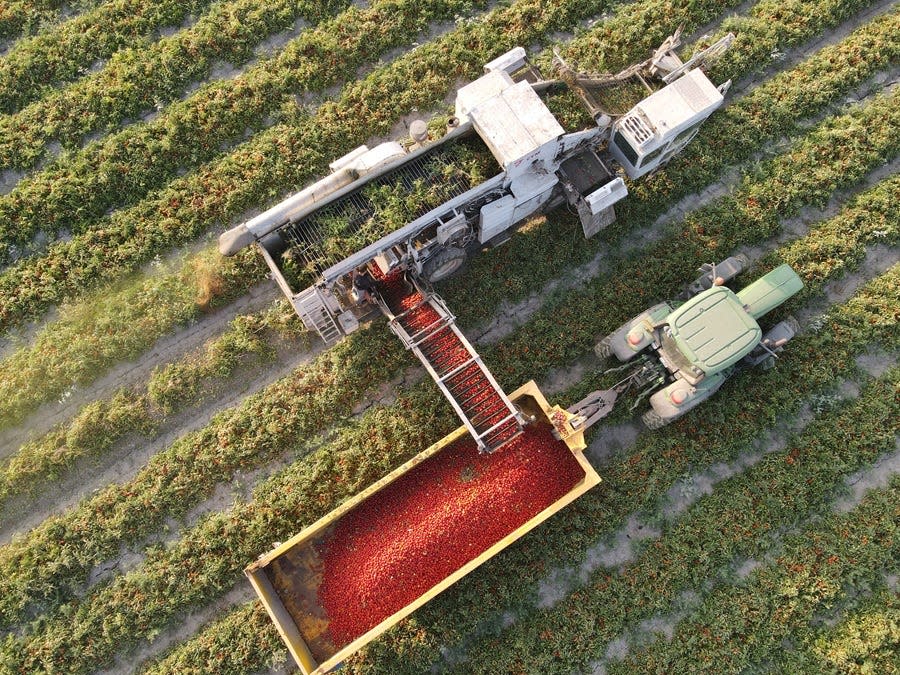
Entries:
{"x":653,"y":109}
{"x":391,"y":220}
{"x":681,"y":356}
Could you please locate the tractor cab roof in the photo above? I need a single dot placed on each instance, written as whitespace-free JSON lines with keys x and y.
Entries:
{"x":713,"y":330}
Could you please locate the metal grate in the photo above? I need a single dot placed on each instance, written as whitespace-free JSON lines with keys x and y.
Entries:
{"x":638,"y":129}
{"x":305,"y":237}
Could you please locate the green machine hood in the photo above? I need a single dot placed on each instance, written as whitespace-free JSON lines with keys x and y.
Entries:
{"x":713,"y":330}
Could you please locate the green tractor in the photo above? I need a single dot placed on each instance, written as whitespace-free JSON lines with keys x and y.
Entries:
{"x":683,"y":355}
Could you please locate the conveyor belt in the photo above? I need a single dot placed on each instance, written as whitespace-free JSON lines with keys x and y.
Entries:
{"x":430,"y":332}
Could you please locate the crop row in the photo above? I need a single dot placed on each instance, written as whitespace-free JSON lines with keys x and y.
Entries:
{"x":207,"y":560}
{"x":117,"y":325}
{"x":122,"y":169}
{"x":25,"y":17}
{"x":170,"y":389}
{"x":55,"y":557}
{"x":733,"y":135}
{"x":748,"y":621}
{"x":244,"y":640}
{"x":865,"y":640}
{"x":422,"y":404}
{"x":211,"y":646}
{"x":32,"y":66}
{"x":147,"y":78}
{"x":29,"y":586}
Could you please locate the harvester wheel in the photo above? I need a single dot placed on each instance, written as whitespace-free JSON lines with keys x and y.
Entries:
{"x":444,"y":263}
{"x":603,"y":349}
{"x":652,"y":420}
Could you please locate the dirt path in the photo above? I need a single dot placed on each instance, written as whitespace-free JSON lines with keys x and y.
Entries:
{"x":135,"y":373}
{"x":131,"y":455}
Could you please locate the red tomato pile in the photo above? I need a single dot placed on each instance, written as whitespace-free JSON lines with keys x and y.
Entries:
{"x":445,"y":352}
{"x":431,"y":521}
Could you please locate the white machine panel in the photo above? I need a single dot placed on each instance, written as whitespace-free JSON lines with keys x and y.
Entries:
{"x":509,"y":62}
{"x":483,"y":89}
{"x":496,"y":217}
{"x":515,"y":124}
{"x":677,"y":106}
{"x":607,"y":195}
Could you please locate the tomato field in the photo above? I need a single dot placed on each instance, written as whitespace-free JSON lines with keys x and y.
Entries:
{"x":165,"y":418}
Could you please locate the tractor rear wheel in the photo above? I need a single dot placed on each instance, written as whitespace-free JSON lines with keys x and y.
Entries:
{"x":444,"y":263}
{"x":653,"y":420}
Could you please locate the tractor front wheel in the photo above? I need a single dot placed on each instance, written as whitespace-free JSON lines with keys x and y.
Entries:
{"x":603,"y":349}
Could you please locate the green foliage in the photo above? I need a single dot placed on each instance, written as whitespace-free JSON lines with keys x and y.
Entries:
{"x":32,"y":66}
{"x":96,"y":427}
{"x":26,"y":17}
{"x":750,"y":620}
{"x":115,"y":325}
{"x":144,"y":77}
{"x":866,"y":639}
{"x":99,"y":425}
{"x":238,"y":643}
{"x":175,"y":384}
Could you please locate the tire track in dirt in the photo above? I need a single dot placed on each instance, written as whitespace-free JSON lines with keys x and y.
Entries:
{"x":130,"y":455}
{"x":857,"y":484}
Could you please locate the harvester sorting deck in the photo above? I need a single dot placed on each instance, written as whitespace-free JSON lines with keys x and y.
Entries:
{"x":303,"y":238}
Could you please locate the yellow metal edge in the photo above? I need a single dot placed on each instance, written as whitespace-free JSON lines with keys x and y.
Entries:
{"x":282,"y":620}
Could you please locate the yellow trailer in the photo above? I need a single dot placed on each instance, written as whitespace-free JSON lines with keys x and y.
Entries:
{"x":288,"y":578}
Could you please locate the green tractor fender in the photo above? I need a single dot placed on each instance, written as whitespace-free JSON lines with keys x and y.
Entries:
{"x":633,"y":337}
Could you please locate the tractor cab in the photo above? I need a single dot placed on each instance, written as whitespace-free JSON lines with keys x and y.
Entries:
{"x":709,"y":333}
